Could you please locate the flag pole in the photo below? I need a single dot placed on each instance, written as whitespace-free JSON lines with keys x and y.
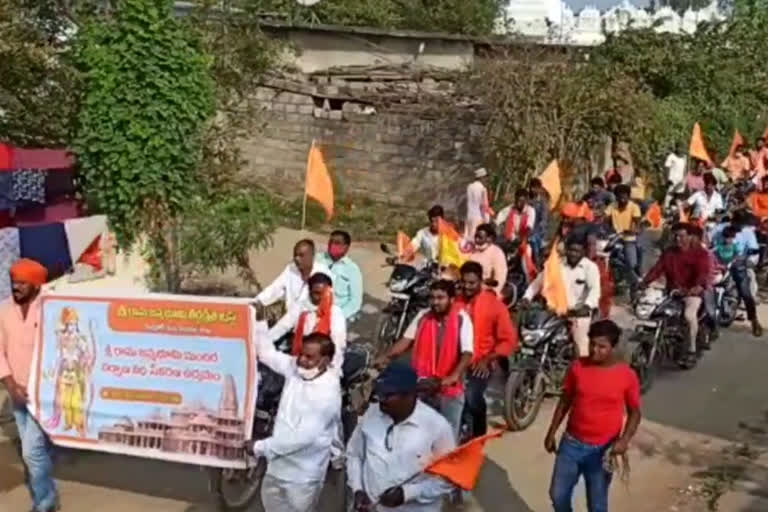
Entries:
{"x":304,"y":202}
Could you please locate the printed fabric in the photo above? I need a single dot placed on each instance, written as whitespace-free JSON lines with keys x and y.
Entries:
{"x":9,"y":253}
{"x":46,"y":244}
{"x":28,"y":185}
{"x":6,"y":203}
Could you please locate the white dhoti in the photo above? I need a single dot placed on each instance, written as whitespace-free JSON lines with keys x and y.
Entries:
{"x":580,"y":334}
{"x":279,"y":495}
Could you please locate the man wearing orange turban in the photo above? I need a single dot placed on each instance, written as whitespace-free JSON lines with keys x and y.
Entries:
{"x":20,"y":322}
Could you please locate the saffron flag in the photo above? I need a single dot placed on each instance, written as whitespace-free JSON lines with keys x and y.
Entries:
{"x":765,"y":133}
{"x":653,"y":216}
{"x":697,"y":149}
{"x":553,"y":288}
{"x":550,"y":181}
{"x":462,"y":466}
{"x":737,"y":141}
{"x":449,"y":245}
{"x":758,"y":203}
{"x":404,"y":251}
{"x":319,"y":185}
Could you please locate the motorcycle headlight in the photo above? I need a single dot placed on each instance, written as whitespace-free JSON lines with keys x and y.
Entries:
{"x":644,"y":311}
{"x":398,"y":285}
{"x":531,"y":337}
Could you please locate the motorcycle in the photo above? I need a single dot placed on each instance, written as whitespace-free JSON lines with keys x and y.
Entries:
{"x":409,"y":293}
{"x":726,"y":296}
{"x":661,"y":334}
{"x":538,"y":368}
{"x":236,"y":489}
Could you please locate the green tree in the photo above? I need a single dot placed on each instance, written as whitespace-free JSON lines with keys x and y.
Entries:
{"x":37,"y":87}
{"x":476,"y":17}
{"x":147,"y":95}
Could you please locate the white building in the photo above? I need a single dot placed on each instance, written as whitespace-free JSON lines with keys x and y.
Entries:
{"x":554,"y":21}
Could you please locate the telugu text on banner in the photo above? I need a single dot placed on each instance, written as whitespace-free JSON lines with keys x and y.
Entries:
{"x":159,"y":376}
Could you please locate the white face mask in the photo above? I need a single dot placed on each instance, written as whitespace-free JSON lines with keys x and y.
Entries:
{"x":308,"y":373}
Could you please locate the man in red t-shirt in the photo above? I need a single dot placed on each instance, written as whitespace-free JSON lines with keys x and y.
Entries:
{"x":597,"y":391}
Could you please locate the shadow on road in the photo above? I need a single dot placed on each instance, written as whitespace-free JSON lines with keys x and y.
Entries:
{"x":493,"y":490}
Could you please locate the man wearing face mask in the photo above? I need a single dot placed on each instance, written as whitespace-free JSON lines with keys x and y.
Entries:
{"x":490,"y":256}
{"x":299,"y":450}
{"x":291,"y":285}
{"x":347,"y":278}
{"x":320,"y":315}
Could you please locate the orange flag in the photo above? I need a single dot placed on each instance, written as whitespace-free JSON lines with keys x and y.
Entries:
{"x":553,"y":288}
{"x":697,"y":148}
{"x":449,"y":245}
{"x":462,"y":466}
{"x":758,"y":203}
{"x":738,"y":140}
{"x":550,"y":180}
{"x":653,"y":215}
{"x":319,"y":185}
{"x":765,"y":133}
{"x":404,"y":250}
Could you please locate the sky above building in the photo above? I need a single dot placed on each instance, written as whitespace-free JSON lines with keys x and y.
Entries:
{"x":576,"y":5}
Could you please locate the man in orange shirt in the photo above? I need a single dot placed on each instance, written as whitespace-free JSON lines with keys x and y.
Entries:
{"x":494,"y":336}
{"x":19,"y":324}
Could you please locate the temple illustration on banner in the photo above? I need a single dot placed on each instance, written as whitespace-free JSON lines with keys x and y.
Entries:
{"x":188,"y":430}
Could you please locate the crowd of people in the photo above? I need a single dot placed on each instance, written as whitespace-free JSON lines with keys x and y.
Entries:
{"x":455,"y":345}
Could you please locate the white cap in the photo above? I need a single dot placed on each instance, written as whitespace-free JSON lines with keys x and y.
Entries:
{"x":481,"y":173}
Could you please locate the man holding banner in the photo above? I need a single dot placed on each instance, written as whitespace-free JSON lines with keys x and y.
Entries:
{"x":299,"y":450}
{"x":19,"y":327}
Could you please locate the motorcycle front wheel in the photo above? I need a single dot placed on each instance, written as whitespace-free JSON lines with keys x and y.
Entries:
{"x":386,"y":332}
{"x":644,"y":367}
{"x":237,"y":489}
{"x":523,"y":396}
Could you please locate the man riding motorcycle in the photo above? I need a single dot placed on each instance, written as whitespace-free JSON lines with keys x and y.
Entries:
{"x":426,"y":240}
{"x":746,"y":249}
{"x":581,"y":278}
{"x":686,"y":270}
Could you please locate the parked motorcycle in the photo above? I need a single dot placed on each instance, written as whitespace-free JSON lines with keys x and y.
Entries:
{"x":409,"y":294}
{"x":538,"y":368}
{"x":661,"y":334}
{"x":236,"y":489}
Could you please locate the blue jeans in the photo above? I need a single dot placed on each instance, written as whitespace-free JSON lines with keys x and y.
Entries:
{"x":36,"y":454}
{"x":574,"y":459}
{"x":452,"y":409}
{"x":632,"y":261}
{"x":476,"y":409}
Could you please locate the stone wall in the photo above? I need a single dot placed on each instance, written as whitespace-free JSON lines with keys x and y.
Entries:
{"x":394,"y":135}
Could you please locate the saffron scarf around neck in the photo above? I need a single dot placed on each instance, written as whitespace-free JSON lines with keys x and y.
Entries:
{"x":322,"y":325}
{"x":509,"y":227}
{"x":426,"y":360}
{"x":481,"y":310}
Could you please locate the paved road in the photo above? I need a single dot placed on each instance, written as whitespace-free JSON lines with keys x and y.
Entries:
{"x":689,"y":417}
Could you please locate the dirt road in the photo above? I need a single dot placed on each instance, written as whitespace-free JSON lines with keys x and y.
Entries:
{"x":692,"y":421}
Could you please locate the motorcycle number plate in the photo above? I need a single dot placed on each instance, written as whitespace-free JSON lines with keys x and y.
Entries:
{"x":646,"y":323}
{"x":526,"y":351}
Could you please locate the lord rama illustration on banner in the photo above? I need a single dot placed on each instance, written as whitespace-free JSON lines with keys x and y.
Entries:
{"x":76,"y":354}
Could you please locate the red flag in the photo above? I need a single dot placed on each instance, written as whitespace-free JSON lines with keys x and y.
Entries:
{"x":462,"y":465}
